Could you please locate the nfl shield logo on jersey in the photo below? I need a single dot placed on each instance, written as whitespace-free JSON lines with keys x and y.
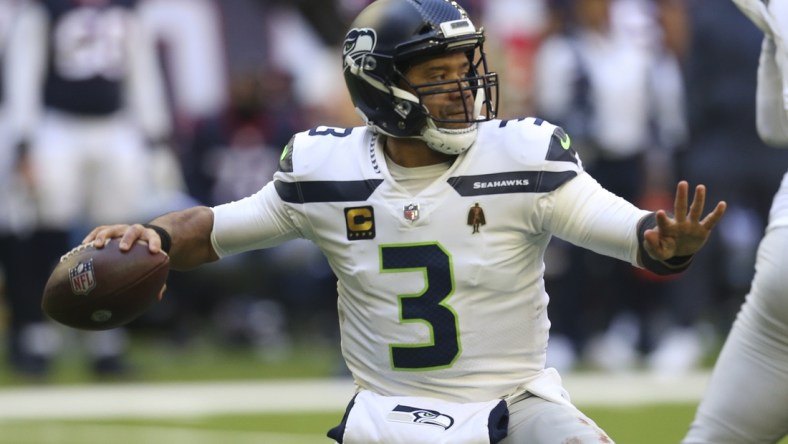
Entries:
{"x":411,"y":212}
{"x":82,"y":278}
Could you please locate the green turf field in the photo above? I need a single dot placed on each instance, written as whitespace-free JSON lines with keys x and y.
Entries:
{"x":657,"y":424}
{"x":158,"y":362}
{"x":646,"y":425}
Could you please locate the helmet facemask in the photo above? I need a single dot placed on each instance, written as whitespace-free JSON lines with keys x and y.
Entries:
{"x":479,"y":82}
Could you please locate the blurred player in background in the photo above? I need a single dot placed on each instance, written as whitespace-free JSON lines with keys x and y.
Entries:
{"x":87,"y":106}
{"x":747,"y":398}
{"x":16,"y":222}
{"x":189,"y":37}
{"x":432,"y":314}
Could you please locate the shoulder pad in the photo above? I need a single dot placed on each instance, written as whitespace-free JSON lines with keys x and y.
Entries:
{"x":310,"y":152}
{"x":560,"y":148}
{"x":540,"y":132}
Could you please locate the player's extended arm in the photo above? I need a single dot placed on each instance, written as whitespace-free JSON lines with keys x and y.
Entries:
{"x":185,"y":235}
{"x":670,"y":239}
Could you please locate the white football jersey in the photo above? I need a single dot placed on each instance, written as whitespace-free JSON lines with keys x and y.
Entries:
{"x":440,"y":293}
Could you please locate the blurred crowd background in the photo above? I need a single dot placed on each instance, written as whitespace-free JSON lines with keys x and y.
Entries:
{"x":651,"y":92}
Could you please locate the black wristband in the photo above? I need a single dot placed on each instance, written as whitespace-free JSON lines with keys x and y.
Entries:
{"x":678,"y":261}
{"x":674,"y":265}
{"x":166,"y":240}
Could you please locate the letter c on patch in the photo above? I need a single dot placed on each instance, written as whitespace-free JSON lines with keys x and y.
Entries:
{"x":360,"y":222}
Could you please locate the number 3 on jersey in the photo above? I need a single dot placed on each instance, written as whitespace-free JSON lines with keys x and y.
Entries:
{"x":428,"y":307}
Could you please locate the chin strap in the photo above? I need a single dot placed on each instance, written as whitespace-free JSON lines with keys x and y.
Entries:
{"x":454,"y":141}
{"x":446,"y":141}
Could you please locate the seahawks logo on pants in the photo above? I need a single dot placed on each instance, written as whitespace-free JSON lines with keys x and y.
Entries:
{"x":415,"y":415}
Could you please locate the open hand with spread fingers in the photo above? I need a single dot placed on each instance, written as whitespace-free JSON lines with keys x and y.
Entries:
{"x":685,"y":232}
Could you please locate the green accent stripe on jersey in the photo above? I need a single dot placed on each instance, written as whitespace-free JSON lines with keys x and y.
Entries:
{"x":560,"y":149}
{"x":326,"y":191}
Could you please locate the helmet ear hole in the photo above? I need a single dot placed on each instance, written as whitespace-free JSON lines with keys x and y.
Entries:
{"x":403,"y":108}
{"x":370,"y":63}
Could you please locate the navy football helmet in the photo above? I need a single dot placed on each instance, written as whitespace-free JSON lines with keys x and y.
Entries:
{"x":387,"y":37}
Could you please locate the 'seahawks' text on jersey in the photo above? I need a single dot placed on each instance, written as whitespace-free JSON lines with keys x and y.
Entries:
{"x":440,"y":293}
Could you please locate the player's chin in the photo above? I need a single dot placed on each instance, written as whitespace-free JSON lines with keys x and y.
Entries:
{"x":455,"y":122}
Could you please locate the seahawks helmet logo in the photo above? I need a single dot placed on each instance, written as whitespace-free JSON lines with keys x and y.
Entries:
{"x":358,"y":43}
{"x":416,"y":415}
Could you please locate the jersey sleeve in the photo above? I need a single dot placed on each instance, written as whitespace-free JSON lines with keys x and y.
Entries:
{"x":255,"y":222}
{"x":277,"y":213}
{"x":262,"y":220}
{"x":591,"y":217}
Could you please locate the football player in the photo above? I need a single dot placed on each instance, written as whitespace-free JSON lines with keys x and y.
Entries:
{"x":25,"y":345}
{"x":84,"y":85}
{"x":745,"y":401}
{"x":444,"y":329}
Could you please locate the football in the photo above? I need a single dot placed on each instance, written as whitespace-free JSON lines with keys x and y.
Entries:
{"x":101,"y":289}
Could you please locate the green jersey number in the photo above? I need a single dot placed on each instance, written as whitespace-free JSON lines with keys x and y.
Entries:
{"x":428,"y":306}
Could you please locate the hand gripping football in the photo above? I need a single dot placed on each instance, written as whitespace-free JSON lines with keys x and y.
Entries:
{"x":101,"y":289}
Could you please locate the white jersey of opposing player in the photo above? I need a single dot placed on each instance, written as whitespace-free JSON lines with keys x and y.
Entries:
{"x":426,"y":306}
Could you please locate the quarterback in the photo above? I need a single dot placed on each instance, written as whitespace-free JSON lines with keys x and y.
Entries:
{"x":444,"y":325}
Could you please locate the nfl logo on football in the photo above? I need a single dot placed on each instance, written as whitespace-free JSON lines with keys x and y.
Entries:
{"x":82,"y":278}
{"x":411,"y":212}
